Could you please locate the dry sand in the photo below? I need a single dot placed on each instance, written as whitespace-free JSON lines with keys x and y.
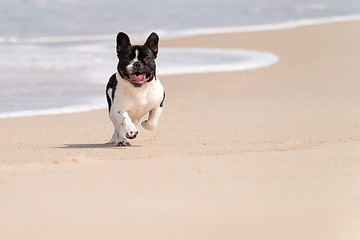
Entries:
{"x":272,"y":153}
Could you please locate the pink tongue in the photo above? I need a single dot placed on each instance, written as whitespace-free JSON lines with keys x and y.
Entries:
{"x":138,"y":79}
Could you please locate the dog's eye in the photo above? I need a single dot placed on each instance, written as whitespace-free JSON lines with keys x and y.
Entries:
{"x":147,"y":59}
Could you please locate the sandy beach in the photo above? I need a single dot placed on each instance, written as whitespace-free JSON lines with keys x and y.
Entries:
{"x":272,"y":153}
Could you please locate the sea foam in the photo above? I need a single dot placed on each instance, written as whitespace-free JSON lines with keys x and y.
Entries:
{"x":60,"y":80}
{"x":202,"y":60}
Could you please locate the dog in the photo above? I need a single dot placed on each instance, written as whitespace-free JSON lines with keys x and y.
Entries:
{"x":134,"y":90}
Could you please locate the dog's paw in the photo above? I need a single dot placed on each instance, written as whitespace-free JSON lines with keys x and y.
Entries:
{"x":131,"y":134}
{"x":130,"y":131}
{"x":147,"y":125}
{"x":123,"y":143}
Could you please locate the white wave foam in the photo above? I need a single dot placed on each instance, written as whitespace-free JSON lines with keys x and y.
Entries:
{"x":260,"y":27}
{"x":202,"y":60}
{"x":315,"y":6}
{"x":185,"y":32}
{"x":171,"y":61}
{"x":54,"y":39}
{"x":55,"y":111}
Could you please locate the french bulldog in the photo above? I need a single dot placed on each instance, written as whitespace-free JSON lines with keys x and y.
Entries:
{"x":134,"y":90}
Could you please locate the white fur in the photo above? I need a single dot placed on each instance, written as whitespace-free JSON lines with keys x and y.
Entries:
{"x":130,"y":104}
{"x":130,"y":65}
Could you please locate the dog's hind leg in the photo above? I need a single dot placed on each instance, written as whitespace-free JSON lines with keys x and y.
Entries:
{"x":153,"y":119}
{"x":113,"y":138}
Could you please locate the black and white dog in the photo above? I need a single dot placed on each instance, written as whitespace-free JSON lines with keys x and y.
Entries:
{"x":134,"y":90}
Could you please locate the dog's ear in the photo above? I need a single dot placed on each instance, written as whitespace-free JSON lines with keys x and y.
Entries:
{"x":122,"y":41}
{"x":152,"y":43}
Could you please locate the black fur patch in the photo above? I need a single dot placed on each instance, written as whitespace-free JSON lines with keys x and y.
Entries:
{"x":144,"y":65}
{"x":162,"y":102}
{"x":111,"y":85}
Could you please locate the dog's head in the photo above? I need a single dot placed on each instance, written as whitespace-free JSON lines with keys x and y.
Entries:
{"x":137,"y":62}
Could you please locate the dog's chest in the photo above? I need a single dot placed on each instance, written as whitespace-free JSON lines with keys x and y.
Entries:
{"x":139,"y":101}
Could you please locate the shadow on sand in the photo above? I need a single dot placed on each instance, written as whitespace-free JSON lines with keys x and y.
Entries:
{"x":96,"y":145}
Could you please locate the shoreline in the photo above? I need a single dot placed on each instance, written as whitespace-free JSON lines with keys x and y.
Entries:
{"x":75,"y":108}
{"x":202,"y":62}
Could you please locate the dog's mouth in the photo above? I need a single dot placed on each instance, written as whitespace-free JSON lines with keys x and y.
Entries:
{"x":137,"y":79}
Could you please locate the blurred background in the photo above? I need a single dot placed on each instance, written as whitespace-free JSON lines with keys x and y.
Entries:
{"x":92,"y":17}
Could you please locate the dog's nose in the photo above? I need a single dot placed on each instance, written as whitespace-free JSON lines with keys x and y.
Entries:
{"x":137,"y":65}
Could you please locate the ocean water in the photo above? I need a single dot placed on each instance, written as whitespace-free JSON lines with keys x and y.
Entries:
{"x":57,"y":55}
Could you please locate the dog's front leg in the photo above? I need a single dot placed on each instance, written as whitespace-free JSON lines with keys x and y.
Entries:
{"x":118,"y":137}
{"x":153,"y":119}
{"x":128,"y":126}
